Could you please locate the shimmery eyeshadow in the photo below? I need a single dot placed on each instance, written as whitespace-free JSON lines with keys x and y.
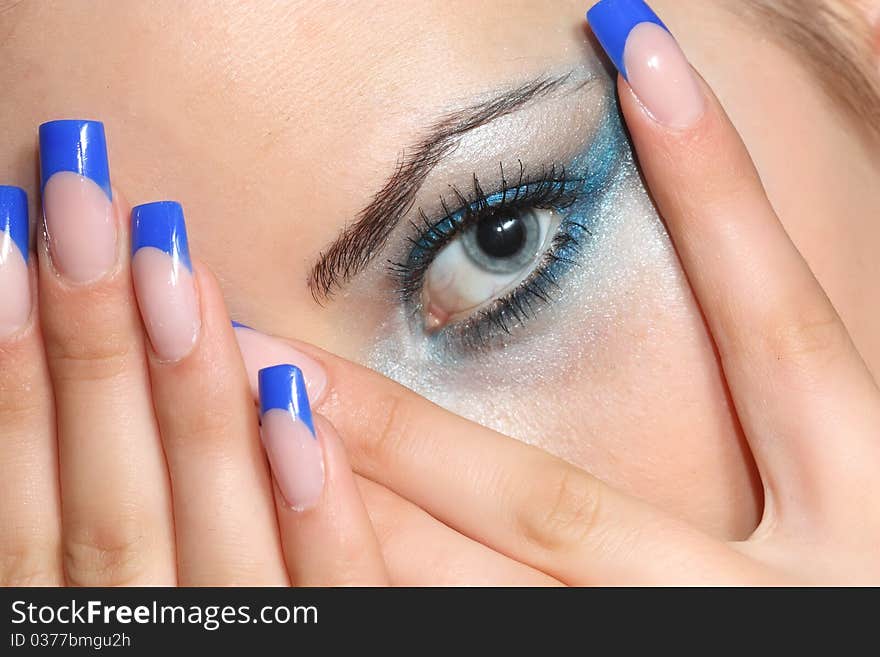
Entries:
{"x":625,"y":243}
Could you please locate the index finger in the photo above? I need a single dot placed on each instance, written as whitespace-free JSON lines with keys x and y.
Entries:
{"x":512,"y":497}
{"x":796,"y":378}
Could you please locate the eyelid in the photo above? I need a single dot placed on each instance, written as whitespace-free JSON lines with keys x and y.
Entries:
{"x":350,"y":253}
{"x":549,"y":189}
{"x":590,"y":174}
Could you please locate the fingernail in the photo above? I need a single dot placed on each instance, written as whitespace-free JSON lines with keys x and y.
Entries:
{"x":15,"y":306}
{"x":650,"y":59}
{"x":77,"y":199}
{"x":259,"y":351}
{"x":163,"y":278}
{"x":289,"y":436}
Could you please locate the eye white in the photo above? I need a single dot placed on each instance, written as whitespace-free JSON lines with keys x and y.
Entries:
{"x":456,"y":283}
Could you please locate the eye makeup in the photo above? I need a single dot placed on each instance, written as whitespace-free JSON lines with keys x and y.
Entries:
{"x":571,"y":191}
{"x":573,"y":305}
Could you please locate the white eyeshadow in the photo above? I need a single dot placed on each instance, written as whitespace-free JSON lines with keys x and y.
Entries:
{"x":627,"y":250}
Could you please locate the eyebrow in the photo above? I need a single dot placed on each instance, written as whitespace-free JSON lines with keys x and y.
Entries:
{"x":360,"y":242}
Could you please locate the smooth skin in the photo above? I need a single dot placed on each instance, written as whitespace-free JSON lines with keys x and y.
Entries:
{"x":282,"y":119}
{"x":468,"y":503}
{"x":117,"y":522}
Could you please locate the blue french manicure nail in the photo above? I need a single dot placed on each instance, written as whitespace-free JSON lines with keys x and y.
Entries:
{"x":15,"y":296}
{"x":283,"y":387}
{"x":14,"y":218}
{"x":163,"y":278}
{"x":77,"y":146}
{"x":240,"y":325}
{"x":613,"y":20}
{"x":161,"y":225}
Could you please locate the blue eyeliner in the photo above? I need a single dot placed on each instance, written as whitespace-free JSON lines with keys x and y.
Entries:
{"x":14,"y":217}
{"x":576,"y":193}
{"x":161,"y":225}
{"x":283,"y":387}
{"x":77,"y":146}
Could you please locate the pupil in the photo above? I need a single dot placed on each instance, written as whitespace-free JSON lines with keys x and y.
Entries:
{"x":501,"y":236}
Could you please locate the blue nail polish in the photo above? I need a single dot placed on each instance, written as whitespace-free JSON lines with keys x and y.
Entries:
{"x":283,"y":386}
{"x":240,"y":325}
{"x":162,"y":226}
{"x":613,"y":20}
{"x":78,"y":146}
{"x":14,"y":217}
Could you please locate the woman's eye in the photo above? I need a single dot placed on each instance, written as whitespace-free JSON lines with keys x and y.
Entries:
{"x":486,"y":260}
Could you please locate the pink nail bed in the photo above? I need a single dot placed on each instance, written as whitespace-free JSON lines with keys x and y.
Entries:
{"x":296,"y":459}
{"x":649,"y":59}
{"x":661,"y":76}
{"x":163,"y":279}
{"x":15,"y":307}
{"x":80,"y":227}
{"x":78,"y":199}
{"x":289,"y":436}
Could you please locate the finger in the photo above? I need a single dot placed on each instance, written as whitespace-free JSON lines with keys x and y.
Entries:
{"x":30,"y":509}
{"x":807,"y":402}
{"x":509,"y":496}
{"x":116,"y":505}
{"x":420,"y":551}
{"x":515,"y":498}
{"x":224,"y":515}
{"x":325,"y":530}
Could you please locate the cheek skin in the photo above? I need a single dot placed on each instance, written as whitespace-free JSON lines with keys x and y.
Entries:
{"x":657,"y":421}
{"x":627,"y":412}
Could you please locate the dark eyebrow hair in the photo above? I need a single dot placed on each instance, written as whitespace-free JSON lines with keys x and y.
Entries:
{"x":356,"y":246}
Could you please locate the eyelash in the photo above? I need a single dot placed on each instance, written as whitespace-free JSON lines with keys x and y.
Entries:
{"x":551,"y":189}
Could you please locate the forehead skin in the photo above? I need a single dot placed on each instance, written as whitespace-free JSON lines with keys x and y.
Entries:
{"x":275,"y":122}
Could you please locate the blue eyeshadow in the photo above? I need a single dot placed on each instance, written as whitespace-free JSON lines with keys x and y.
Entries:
{"x":583,"y":182}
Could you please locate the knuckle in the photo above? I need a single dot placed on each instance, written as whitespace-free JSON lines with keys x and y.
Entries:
{"x":21,"y":403}
{"x":563,"y":510}
{"x":110,"y":554}
{"x":807,"y":343}
{"x":206,"y":408}
{"x":204,"y":426}
{"x":381,"y":447}
{"x":92,"y":359}
{"x":25,"y":394}
{"x":28,"y":565}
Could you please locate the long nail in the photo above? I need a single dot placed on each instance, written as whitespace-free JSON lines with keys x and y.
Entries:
{"x":163,"y":278}
{"x":289,"y":436}
{"x":15,"y":307}
{"x":260,"y":351}
{"x":77,"y":199}
{"x":649,"y":58}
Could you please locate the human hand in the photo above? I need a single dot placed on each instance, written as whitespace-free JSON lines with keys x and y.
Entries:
{"x":804,"y":396}
{"x":132,"y":456}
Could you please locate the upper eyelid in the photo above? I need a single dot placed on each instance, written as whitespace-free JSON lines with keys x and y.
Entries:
{"x":486,"y":201}
{"x":410,"y":275}
{"x":359,"y":243}
{"x":594,"y":169}
{"x":480,"y":197}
